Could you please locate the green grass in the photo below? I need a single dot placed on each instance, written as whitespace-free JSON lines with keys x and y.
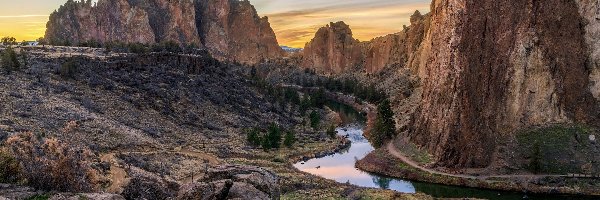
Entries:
{"x":39,"y":197}
{"x":557,"y":149}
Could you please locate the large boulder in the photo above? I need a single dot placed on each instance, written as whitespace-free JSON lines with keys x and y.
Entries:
{"x":233,"y":182}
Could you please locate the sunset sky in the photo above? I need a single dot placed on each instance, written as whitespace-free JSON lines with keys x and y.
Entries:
{"x":294,"y":21}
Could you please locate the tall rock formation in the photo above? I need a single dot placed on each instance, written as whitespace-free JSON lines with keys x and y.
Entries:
{"x":171,"y":20}
{"x":490,"y":67}
{"x":232,"y":29}
{"x":396,"y":49}
{"x":110,"y":20}
{"x":333,"y":50}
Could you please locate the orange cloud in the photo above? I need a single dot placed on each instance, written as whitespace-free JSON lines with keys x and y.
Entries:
{"x":296,"y":27}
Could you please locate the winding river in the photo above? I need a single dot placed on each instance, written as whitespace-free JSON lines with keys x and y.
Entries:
{"x":340,"y":167}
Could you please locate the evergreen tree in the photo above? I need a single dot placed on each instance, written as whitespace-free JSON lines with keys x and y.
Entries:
{"x":315,"y":119}
{"x":331,"y":132}
{"x":289,"y":139}
{"x":318,"y":98}
{"x":535,"y":164}
{"x":253,"y":137}
{"x":10,"y":62}
{"x":385,"y":126}
{"x":274,"y":136}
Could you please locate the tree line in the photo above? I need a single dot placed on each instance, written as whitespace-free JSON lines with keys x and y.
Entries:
{"x":351,"y":86}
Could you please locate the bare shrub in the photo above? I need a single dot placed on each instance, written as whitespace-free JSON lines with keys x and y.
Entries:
{"x":50,"y":164}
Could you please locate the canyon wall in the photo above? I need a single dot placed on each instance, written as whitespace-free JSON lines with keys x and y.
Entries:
{"x":590,"y":11}
{"x":232,"y":29}
{"x":332,"y":50}
{"x":229,"y":29}
{"x":489,"y":68}
{"x":110,"y":20}
{"x":396,"y":49}
{"x":486,"y":70}
{"x":171,"y":20}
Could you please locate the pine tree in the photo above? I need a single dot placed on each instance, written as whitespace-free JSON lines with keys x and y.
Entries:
{"x":385,"y":126}
{"x":254,"y":137}
{"x":315,"y":119}
{"x":331,"y":132}
{"x":289,"y":139}
{"x":274,"y":136}
{"x":10,"y":62}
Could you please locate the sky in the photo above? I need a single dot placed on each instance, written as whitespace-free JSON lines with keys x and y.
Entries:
{"x":294,"y":21}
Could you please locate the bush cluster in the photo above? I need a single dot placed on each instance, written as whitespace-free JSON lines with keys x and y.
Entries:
{"x":50,"y":164}
{"x":348,"y":86}
{"x":9,"y":60}
{"x":271,"y":139}
{"x":69,"y":68}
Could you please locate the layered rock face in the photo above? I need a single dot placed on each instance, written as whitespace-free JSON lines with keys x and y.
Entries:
{"x":590,"y":11}
{"x":396,"y":49}
{"x":171,"y":20}
{"x":110,"y":20}
{"x":232,"y":29}
{"x":333,"y":50}
{"x":492,"y":67}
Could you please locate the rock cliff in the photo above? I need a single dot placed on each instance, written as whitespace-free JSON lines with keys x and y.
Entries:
{"x":171,"y":20}
{"x":333,"y":50}
{"x":486,"y":70}
{"x":396,"y":49}
{"x":489,"y":68}
{"x":230,"y":29}
{"x":109,"y":20}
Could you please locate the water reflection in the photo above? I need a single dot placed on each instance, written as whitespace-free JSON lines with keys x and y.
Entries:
{"x":340,"y":166}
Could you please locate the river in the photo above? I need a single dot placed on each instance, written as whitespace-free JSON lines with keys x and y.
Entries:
{"x":340,"y":167}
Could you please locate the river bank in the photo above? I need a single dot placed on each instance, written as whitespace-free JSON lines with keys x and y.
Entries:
{"x":382,"y":162}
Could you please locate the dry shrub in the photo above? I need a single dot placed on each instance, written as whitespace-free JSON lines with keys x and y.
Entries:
{"x":10,"y":169}
{"x":50,"y":164}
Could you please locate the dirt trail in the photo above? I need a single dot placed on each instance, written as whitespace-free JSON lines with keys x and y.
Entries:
{"x":392,"y":150}
{"x":119,"y":178}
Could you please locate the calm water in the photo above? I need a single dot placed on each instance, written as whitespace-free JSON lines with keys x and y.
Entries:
{"x":340,"y":167}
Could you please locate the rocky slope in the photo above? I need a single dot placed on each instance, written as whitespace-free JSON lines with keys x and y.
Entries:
{"x":230,"y":29}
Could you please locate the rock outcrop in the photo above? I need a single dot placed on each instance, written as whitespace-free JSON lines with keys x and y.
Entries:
{"x":109,"y":20}
{"x":229,"y":29}
{"x":590,"y":12}
{"x":233,"y":182}
{"x":489,"y":68}
{"x":333,"y":50}
{"x":171,"y":20}
{"x":232,"y":29}
{"x":397,"y":49}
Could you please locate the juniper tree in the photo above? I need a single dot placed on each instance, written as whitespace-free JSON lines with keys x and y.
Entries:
{"x":385,"y":126}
